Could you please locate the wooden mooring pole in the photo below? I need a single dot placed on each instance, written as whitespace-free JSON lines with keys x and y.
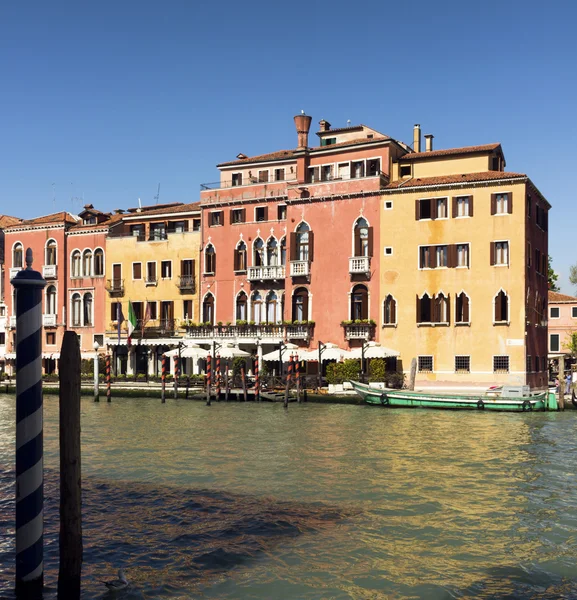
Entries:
{"x":217,"y":376}
{"x":163,"y":379}
{"x":256,"y":380}
{"x":561,"y":377}
{"x":226,"y":382}
{"x":298,"y":379}
{"x":70,"y":471}
{"x":413,"y":374}
{"x":108,"y":386}
{"x":243,"y":378}
{"x":208,"y":378}
{"x":176,"y":376}
{"x":288,"y":380}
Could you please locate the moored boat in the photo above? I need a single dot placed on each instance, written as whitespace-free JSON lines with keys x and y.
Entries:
{"x":410,"y":399}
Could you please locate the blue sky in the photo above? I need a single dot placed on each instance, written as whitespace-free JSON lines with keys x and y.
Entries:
{"x":103,"y":101}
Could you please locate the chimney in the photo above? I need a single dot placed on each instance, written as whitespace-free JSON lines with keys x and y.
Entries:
{"x":429,"y":142}
{"x":325,"y":125}
{"x":417,"y":138}
{"x":119,"y":211}
{"x":303,"y":125}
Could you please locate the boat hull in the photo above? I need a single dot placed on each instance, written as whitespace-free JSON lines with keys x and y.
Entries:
{"x":409,"y":399}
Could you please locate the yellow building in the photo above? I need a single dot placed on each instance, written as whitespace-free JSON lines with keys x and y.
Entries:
{"x":152,"y":261}
{"x":463,"y":280}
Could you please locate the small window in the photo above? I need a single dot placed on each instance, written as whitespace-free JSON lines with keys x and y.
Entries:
{"x":137,"y":270}
{"x":554,"y":342}
{"x":501,"y":253}
{"x":500,"y":364}
{"x":115,"y":310}
{"x":574,"y":312}
{"x":279,"y":174}
{"x":389,"y":311}
{"x":529,"y":203}
{"x":50,"y":338}
{"x":326,"y":172}
{"x":236,"y":179}
{"x":537,"y":364}
{"x":281,"y":212}
{"x":187,"y":309}
{"x":462,"y":308}
{"x":442,"y":210}
{"x":237,"y":215}
{"x":424,"y":209}
{"x":328,"y":141}
{"x":388,"y":205}
{"x":462,"y":364}
{"x":554,"y":312}
{"x":462,"y":206}
{"x":463,"y":255}
{"x":405,"y":170}
{"x":151,"y":273}
{"x":441,"y":256}
{"x":263,"y":176}
{"x":166,"y":269}
{"x":388,"y":251}
{"x":501,"y":314}
{"x":501,"y":204}
{"x":98,"y":339}
{"x":195,"y":224}
{"x":151,"y":310}
{"x":425,"y":364}
{"x":2,"y":338}
{"x":99,"y":262}
{"x":260,"y":213}
{"x":216,"y":218}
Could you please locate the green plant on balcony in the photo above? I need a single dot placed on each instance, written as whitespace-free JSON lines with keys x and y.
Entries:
{"x":369,"y":322}
{"x":241,"y":323}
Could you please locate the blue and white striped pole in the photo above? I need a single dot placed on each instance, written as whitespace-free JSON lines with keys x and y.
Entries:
{"x":29,"y":440}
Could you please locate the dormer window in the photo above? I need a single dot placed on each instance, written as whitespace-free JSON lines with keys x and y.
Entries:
{"x":328,"y":141}
{"x":405,"y":170}
{"x":89,"y":221}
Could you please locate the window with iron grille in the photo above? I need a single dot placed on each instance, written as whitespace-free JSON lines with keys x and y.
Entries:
{"x":425,"y":364}
{"x":500,"y":364}
{"x":462,"y":364}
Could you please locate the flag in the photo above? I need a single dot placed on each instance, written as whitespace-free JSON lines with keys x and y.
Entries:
{"x":119,"y":318}
{"x":131,"y":323}
{"x":145,"y":320}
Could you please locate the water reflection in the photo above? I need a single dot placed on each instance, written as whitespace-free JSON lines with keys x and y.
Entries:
{"x":248,"y":501}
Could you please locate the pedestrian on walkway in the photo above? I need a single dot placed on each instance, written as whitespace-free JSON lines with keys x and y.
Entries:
{"x":568,"y":383}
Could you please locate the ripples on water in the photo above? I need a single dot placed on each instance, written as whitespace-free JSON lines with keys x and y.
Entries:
{"x":250,"y":501}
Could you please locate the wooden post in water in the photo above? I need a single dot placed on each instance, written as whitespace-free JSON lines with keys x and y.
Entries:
{"x":70,"y":472}
{"x":413,"y":374}
{"x":208,"y":378}
{"x":288,"y":380}
{"x":176,"y":375}
{"x":226,"y":382}
{"x":217,"y":376}
{"x":561,"y":377}
{"x":256,"y":380}
{"x":108,"y":386}
{"x":243,"y":378}
{"x":298,"y":378}
{"x":163,"y":378}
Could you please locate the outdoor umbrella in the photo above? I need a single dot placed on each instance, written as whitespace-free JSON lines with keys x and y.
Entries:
{"x":373,"y":350}
{"x":191,"y":351}
{"x":287,"y":351}
{"x":231,"y":351}
{"x":329,"y":352}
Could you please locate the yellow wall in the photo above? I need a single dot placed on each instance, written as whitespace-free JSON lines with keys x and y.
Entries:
{"x":401,"y":277}
{"x":126,"y":250}
{"x":447,"y":166}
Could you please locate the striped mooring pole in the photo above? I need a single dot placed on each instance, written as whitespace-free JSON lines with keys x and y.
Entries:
{"x":256,"y":380}
{"x":163,"y":378}
{"x":208,"y":378}
{"x":29,"y":433}
{"x":176,"y":376}
{"x":108,"y":387}
{"x":217,"y":377}
{"x":298,"y":377}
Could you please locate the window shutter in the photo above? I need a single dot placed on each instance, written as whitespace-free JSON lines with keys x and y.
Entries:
{"x":293,"y":246}
{"x":213,"y":255}
{"x":498,"y":315}
{"x":192,"y":269}
{"x":493,"y":204}
{"x":454,"y":206}
{"x":311,"y":246}
{"x":305,"y":306}
{"x":370,"y":241}
{"x":510,"y":203}
{"x":452,"y":258}
{"x":393,"y":310}
{"x":364,"y":305}
{"x":236,"y":260}
{"x":492,"y":253}
{"x":433,"y":204}
{"x":418,"y":309}
{"x":357,"y":242}
{"x":265,"y":213}
{"x":436,"y":310}
{"x":230,"y":214}
{"x":465,"y":308}
{"x":448,"y":308}
{"x":417,"y":210}
{"x":470,"y":206}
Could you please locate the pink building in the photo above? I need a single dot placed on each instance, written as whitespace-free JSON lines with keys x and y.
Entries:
{"x":290,"y":241}
{"x":69,"y":252}
{"x":562,"y":322}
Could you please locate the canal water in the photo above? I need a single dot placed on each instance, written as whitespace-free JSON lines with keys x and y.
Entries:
{"x":314,"y":502}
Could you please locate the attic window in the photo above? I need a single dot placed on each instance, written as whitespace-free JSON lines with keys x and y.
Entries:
{"x":495,"y":163}
{"x":89,"y":221}
{"x":328,"y":141}
{"x":370,"y":136}
{"x":405,"y":170}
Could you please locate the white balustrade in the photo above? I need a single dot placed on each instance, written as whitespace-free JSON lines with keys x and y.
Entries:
{"x":49,"y":271}
{"x":300,"y":268}
{"x":271,"y":272}
{"x":49,"y":320}
{"x":360,"y":264}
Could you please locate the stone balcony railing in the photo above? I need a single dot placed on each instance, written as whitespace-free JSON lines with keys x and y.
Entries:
{"x":262,"y":332}
{"x":12,"y":322}
{"x":272,"y":272}
{"x":359,"y":264}
{"x":300,"y":268}
{"x":49,"y":320}
{"x":14,"y":271}
{"x":49,"y":271}
{"x":359,"y":331}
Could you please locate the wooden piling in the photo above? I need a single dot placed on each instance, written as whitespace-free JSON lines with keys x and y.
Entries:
{"x":413,"y":374}
{"x":163,"y":378}
{"x":243,"y":378}
{"x":217,"y":376}
{"x":288,"y":380}
{"x":70,"y":471}
{"x":208,"y":378}
{"x":176,"y":375}
{"x":226,"y":382}
{"x":298,"y":379}
{"x":256,"y":380}
{"x":108,"y":382}
{"x":561,"y":377}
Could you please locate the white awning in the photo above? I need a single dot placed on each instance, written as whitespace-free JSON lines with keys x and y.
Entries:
{"x":231,"y":351}
{"x":374,"y":350}
{"x":329,"y":352}
{"x":287,"y":351}
{"x":113,"y":341}
{"x":190,"y":351}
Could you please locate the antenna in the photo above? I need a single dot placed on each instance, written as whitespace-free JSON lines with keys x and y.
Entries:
{"x":157,"y":194}
{"x":139,"y":203}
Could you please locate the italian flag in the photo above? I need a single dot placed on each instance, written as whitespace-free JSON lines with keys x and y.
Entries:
{"x":131,"y":322}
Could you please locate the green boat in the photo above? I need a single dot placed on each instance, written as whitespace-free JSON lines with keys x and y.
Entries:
{"x":491,"y":401}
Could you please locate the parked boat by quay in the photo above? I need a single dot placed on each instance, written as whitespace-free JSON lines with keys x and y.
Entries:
{"x":496,"y":399}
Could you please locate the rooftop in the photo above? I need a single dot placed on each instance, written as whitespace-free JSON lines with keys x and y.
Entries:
{"x":450,"y":152}
{"x":557,"y":297}
{"x":53,"y":219}
{"x":451,"y":179}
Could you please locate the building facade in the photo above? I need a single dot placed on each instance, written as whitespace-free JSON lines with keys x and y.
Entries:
{"x":562,"y":323}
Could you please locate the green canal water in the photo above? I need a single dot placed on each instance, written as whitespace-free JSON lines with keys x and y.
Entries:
{"x":314,"y":502}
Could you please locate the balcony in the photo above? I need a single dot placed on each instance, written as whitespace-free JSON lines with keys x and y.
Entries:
{"x":359,"y":331}
{"x":186,"y":283}
{"x":115,"y":286}
{"x":154,"y":328}
{"x":12,"y":322}
{"x":360,"y":264}
{"x":14,"y":271}
{"x":299,"y":332}
{"x":232,"y":332}
{"x":49,"y":320}
{"x":273,"y":273}
{"x":49,"y":271}
{"x":151,"y":280}
{"x":300,"y":268}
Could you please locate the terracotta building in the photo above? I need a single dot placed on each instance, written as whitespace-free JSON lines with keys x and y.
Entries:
{"x":562,"y":322}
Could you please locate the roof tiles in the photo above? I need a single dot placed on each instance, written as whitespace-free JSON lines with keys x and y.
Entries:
{"x":449,"y":152}
{"x":451,"y":179}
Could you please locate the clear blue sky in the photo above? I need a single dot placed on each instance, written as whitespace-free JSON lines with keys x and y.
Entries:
{"x":101,"y":101}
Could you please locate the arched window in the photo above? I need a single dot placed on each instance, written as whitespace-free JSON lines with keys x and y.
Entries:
{"x":359,"y":303}
{"x":303,"y":246}
{"x":87,"y":309}
{"x":17,"y":255}
{"x":241,"y":306}
{"x":441,"y":308}
{"x":462,"y":314}
{"x":87,"y":263}
{"x":258,"y":253}
{"x":50,"y":251}
{"x":283,"y":251}
{"x":272,"y":252}
{"x":209,"y":260}
{"x":424,"y":309}
{"x":76,"y":310}
{"x":76,"y":267}
{"x":208,"y":309}
{"x":389,"y":311}
{"x":98,"y":262}
{"x":271,"y":307}
{"x":256,"y":307}
{"x":363,"y":238}
{"x":300,"y":308}
{"x":240,"y":257}
{"x":501,"y":307}
{"x":51,"y":300}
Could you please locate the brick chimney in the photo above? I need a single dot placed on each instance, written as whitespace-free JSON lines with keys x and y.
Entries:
{"x":325,"y":125}
{"x":429,"y":142}
{"x":303,"y":125}
{"x":417,"y":138}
